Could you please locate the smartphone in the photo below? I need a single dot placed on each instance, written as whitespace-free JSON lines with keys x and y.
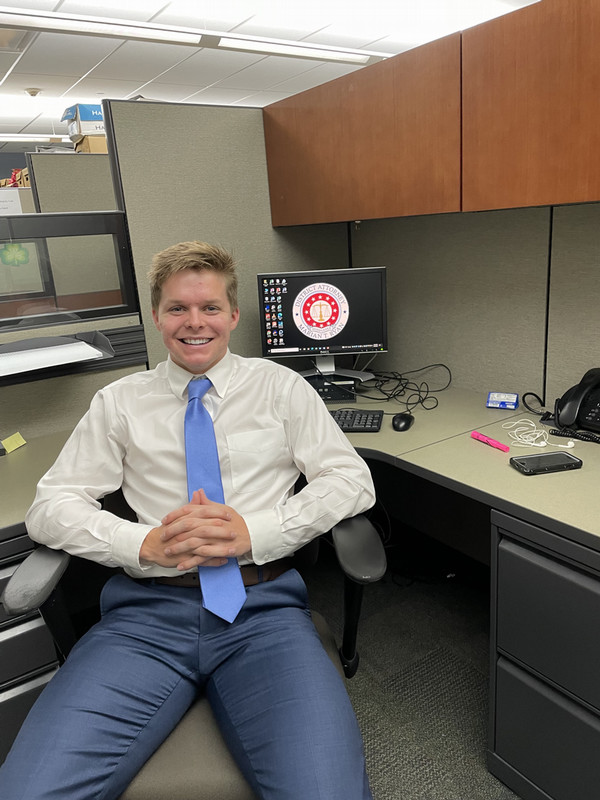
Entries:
{"x":538,"y":464}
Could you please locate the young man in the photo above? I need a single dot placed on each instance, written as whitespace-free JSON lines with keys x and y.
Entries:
{"x":277,"y":697}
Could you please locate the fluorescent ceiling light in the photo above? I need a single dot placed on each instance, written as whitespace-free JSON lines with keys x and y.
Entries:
{"x":298,"y":50}
{"x":31,"y":19}
{"x":37,"y":137}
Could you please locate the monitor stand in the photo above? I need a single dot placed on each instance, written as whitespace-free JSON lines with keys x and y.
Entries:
{"x":325,"y":367}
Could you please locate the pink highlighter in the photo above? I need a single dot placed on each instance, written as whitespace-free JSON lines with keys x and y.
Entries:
{"x":492,"y":442}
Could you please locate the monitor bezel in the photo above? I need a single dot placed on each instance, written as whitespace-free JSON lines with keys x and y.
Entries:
{"x":381,"y":269}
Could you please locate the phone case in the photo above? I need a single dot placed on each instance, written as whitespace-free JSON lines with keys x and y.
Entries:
{"x":538,"y":465}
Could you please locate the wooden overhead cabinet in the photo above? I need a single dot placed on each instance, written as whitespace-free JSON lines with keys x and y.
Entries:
{"x":531,"y":107}
{"x":383,"y":141}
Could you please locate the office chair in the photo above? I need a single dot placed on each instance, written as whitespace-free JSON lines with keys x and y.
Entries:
{"x":193,"y":763}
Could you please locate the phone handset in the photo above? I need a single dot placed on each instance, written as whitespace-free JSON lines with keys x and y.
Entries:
{"x":579,"y":407}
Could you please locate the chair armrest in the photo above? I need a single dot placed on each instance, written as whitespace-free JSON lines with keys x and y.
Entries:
{"x":359,"y":549}
{"x":34,"y":580}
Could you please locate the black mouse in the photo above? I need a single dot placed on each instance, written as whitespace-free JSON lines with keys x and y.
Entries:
{"x":403,"y":421}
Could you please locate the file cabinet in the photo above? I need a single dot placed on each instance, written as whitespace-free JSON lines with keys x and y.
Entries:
{"x":27,"y":655}
{"x":545,"y":663}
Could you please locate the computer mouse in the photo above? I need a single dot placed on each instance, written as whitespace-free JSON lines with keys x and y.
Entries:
{"x":403,"y":421}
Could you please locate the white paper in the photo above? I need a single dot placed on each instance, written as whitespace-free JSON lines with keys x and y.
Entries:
{"x":10,"y":202}
{"x":40,"y":357}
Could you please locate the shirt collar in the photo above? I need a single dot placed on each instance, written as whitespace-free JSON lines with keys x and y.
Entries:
{"x":219,"y":375}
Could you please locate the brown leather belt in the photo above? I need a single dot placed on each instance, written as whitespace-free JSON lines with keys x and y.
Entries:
{"x":251,"y":574}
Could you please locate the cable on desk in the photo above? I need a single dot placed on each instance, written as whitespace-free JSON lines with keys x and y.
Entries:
{"x":398,"y":387}
{"x":582,"y":436}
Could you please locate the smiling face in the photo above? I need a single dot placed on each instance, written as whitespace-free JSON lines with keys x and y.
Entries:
{"x":195,"y":319}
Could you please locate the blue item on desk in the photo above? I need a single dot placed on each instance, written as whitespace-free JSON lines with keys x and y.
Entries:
{"x":402,"y":421}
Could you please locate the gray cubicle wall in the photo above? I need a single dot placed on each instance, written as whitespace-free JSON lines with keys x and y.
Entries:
{"x":574,"y":315}
{"x":71,"y":182}
{"x":63,"y":182}
{"x":468,"y":290}
{"x":76,"y":182}
{"x":199,"y":172}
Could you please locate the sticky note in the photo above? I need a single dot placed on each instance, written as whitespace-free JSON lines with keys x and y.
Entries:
{"x":13,"y":442}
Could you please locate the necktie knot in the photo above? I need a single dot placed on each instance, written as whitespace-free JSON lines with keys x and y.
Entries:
{"x":198,"y":387}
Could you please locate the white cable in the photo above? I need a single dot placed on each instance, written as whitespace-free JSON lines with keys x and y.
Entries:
{"x":526,"y":434}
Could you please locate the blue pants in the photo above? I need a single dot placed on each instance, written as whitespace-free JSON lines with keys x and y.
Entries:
{"x":279,"y":701}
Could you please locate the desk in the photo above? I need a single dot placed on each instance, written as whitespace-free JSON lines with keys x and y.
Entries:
{"x":544,"y":732}
{"x":545,"y":577}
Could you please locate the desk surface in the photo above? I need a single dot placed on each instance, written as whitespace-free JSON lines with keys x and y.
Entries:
{"x":458,"y":411}
{"x":20,"y":472}
{"x":438,"y":447}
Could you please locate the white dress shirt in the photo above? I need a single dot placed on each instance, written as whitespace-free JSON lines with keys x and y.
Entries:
{"x":270,"y":426}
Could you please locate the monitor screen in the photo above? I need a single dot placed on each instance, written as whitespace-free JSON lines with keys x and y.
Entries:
{"x":320,"y":313}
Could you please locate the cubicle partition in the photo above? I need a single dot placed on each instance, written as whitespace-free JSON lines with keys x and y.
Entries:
{"x":467,"y":290}
{"x":71,"y":181}
{"x":508,"y":299}
{"x":199,"y":172}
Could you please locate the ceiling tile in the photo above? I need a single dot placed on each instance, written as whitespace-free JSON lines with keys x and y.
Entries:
{"x":140,"y":10}
{"x":41,"y":125}
{"x":8,"y":126}
{"x":217,"y":97}
{"x":221,"y":16}
{"x":62,"y":54}
{"x":90,"y":87}
{"x":320,"y":74}
{"x":267,"y":72}
{"x":261,"y":99}
{"x":54,"y":85}
{"x":37,"y":5}
{"x":209,"y":66}
{"x":141,"y":61}
{"x":173,"y":93}
{"x":6,"y":62}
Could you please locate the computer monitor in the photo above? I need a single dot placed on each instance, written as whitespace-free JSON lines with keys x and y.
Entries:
{"x":324,"y":313}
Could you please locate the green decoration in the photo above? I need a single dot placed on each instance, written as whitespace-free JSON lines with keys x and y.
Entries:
{"x":13,"y":255}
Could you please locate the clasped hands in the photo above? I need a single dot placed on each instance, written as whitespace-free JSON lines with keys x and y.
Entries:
{"x":201,"y":533}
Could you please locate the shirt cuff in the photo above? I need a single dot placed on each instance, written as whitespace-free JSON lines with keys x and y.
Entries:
{"x":126,"y":545}
{"x":265,"y":535}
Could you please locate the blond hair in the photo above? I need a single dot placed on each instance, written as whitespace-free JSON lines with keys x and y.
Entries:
{"x":195,"y":256}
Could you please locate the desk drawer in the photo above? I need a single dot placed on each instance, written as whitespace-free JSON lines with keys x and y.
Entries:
{"x":25,"y":648}
{"x":548,"y":618}
{"x":546,"y":737}
{"x":15,"y":548}
{"x":14,"y":707}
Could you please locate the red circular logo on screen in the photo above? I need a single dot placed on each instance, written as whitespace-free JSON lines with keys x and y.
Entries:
{"x":320,"y":311}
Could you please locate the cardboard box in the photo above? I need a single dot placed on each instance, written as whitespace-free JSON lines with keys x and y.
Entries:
{"x":91,"y":144}
{"x":84,"y":120}
{"x":23,"y":177}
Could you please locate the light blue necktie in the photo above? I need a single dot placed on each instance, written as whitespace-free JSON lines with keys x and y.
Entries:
{"x":222,"y":587}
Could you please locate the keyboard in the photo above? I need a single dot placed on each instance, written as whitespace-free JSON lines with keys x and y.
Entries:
{"x":353,"y":420}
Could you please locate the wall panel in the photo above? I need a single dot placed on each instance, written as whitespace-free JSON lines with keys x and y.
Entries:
{"x":71,"y":182}
{"x":199,"y":172}
{"x":468,"y":290}
{"x":574,"y":314}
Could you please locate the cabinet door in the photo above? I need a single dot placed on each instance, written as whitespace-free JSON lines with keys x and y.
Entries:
{"x":14,"y":707}
{"x":531,"y":117}
{"x":548,"y":614}
{"x":383,"y":141}
{"x":546,"y":738}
